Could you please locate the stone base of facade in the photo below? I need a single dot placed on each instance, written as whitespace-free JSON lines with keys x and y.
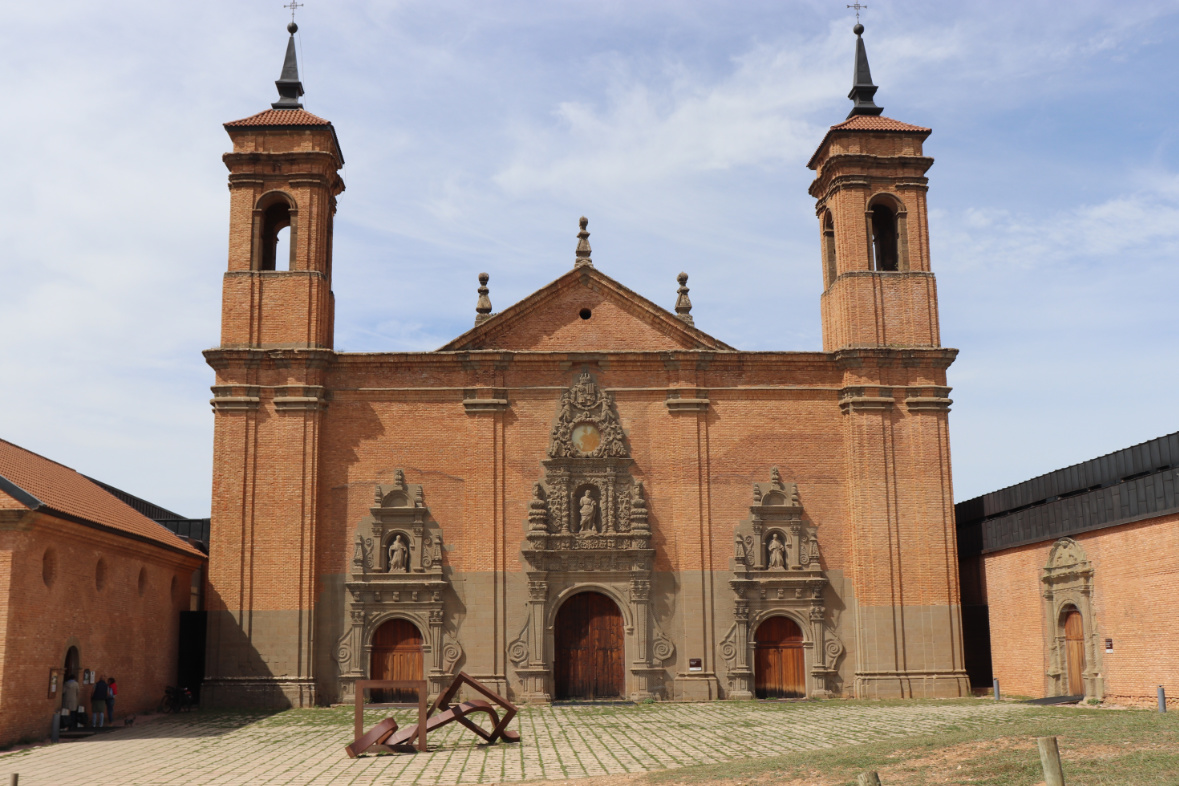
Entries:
{"x":497,"y":683}
{"x":911,"y":685}
{"x":695,"y":687}
{"x":265,"y":693}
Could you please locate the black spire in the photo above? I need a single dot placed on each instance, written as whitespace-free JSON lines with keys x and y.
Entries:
{"x":289,"y":86}
{"x":862,"y":87}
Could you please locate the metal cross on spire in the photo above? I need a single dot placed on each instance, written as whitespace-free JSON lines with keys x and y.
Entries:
{"x":856,"y":6}
{"x":294,"y":6}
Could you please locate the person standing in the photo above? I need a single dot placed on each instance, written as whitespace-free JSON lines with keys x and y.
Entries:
{"x":112,"y":690}
{"x":98,"y":703}
{"x":69,"y":698}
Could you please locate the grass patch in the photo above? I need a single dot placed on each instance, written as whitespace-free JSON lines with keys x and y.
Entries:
{"x":1098,"y":746}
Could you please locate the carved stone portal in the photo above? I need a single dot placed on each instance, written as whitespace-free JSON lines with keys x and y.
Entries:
{"x":587,"y":529}
{"x":397,"y":573}
{"x":1068,"y":582}
{"x":777,"y":571}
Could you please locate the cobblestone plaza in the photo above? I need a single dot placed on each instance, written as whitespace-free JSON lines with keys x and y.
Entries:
{"x":559,"y":742}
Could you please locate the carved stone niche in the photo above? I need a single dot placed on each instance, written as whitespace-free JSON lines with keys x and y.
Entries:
{"x":396,"y":573}
{"x":1068,"y":582}
{"x":587,"y":530}
{"x":777,"y":571}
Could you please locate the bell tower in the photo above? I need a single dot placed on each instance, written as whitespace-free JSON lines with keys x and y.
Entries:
{"x":870,"y":184}
{"x":880,"y":326}
{"x":269,"y":401}
{"x":283,"y":174}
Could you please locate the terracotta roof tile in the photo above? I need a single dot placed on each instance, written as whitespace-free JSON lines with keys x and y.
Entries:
{"x":280,"y":117}
{"x":63,"y":490}
{"x":866,"y":123}
{"x":876,"y":123}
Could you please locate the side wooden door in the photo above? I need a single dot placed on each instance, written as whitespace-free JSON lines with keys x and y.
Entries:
{"x":588,"y":646}
{"x":396,"y":655}
{"x":778,"y":664}
{"x":1074,"y":642}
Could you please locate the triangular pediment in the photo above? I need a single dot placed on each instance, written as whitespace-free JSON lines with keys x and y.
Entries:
{"x":585,"y":311}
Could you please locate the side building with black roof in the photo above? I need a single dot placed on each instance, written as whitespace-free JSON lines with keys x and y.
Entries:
{"x":1065,"y":578}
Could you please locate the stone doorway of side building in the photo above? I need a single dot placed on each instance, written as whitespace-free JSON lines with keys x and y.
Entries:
{"x":779,"y":670}
{"x":396,"y":655}
{"x":588,"y":649}
{"x":1074,"y":644}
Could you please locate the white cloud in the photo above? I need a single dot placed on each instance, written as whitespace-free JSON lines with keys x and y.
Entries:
{"x":476,"y":134}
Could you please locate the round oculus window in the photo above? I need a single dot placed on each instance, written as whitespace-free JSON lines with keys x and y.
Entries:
{"x":586,"y":438}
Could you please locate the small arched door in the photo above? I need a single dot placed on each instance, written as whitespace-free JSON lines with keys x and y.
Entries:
{"x":778,"y":669}
{"x":396,"y":655}
{"x":588,"y":647}
{"x":1074,"y":643}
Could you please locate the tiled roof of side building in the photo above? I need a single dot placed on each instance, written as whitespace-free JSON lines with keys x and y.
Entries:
{"x":62,"y":490}
{"x":280,"y":117}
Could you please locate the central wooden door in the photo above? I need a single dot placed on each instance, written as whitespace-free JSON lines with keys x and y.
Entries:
{"x":1074,"y":642}
{"x":588,"y":648}
{"x":778,"y":669}
{"x":397,"y":655}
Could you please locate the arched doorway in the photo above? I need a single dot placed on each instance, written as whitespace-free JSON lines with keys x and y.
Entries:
{"x":588,"y":647}
{"x":1074,"y":643}
{"x":778,"y":668}
{"x":396,"y":655}
{"x":71,"y":668}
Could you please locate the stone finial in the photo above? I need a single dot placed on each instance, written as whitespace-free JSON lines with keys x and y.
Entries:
{"x":538,"y":510}
{"x":638,"y":509}
{"x":683,"y":305}
{"x":483,"y":307}
{"x":358,"y":560}
{"x":583,"y":246}
{"x":776,"y":478}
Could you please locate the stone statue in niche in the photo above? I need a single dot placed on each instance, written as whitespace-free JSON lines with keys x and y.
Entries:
{"x":589,"y":512}
{"x":398,"y":555}
{"x":777,"y":552}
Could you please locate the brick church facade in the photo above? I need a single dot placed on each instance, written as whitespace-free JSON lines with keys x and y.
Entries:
{"x":584,"y":496}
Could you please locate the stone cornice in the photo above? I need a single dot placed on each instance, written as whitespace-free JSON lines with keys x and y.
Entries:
{"x":484,"y":406}
{"x":912,"y":357}
{"x":687,"y":400}
{"x":235,"y":398}
{"x":313,"y":157}
{"x":858,"y":168}
{"x":222,"y":358}
{"x":299,"y":398}
{"x":274,"y":274}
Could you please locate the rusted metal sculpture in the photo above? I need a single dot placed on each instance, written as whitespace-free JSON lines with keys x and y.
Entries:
{"x":386,"y":736}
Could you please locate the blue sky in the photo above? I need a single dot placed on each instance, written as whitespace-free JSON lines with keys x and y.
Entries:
{"x":477,"y":133}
